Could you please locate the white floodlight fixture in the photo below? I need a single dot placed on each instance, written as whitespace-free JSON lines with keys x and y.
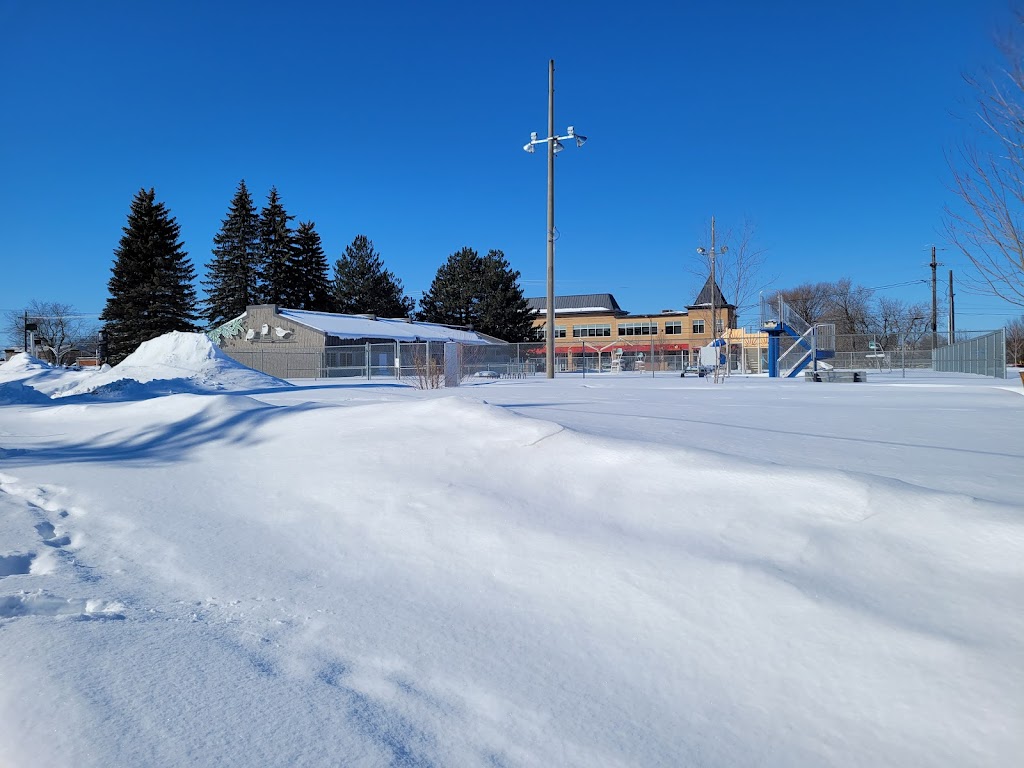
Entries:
{"x":702,"y":251}
{"x":557,"y":146}
{"x":528,"y":147}
{"x":724,"y":249}
{"x":580,"y":140}
{"x":533,"y":137}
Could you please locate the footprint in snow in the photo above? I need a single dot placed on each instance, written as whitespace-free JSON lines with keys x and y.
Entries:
{"x":49,"y":535}
{"x":44,"y":604}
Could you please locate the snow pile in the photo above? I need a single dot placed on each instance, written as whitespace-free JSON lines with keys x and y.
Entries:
{"x":38,"y":375}
{"x":21,"y":364}
{"x":174,"y":362}
{"x":17,"y":393}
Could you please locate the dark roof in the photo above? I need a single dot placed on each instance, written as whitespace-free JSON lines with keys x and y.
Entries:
{"x":704,"y":297}
{"x":593,"y":302}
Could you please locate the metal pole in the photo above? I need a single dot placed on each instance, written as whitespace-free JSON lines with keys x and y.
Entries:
{"x":935,"y":305}
{"x":714,"y":301}
{"x":952,"y":316}
{"x":903,"y":355}
{"x":551,"y":221}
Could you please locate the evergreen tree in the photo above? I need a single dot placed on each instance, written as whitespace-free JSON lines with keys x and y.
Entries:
{"x":481,"y":292}
{"x":311,"y":262}
{"x":454,"y":295}
{"x":504,"y":311}
{"x":363,"y":286}
{"x":280,"y":279}
{"x":233,"y":276}
{"x":151,"y":286}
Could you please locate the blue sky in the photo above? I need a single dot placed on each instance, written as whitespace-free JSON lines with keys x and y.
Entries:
{"x":825,"y":123}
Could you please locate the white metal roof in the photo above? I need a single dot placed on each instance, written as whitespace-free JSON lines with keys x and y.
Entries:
{"x":362,"y":327}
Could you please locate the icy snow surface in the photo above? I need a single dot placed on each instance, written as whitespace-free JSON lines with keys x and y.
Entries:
{"x":624,"y":570}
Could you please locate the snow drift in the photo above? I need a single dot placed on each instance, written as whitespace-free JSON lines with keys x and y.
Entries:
{"x":633,"y":571}
{"x":172,"y":363}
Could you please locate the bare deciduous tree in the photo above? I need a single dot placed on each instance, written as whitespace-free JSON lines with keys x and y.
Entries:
{"x":739,"y":271}
{"x":855,"y":310}
{"x":811,"y":301}
{"x":427,"y":368}
{"x":60,"y":329}
{"x":1015,"y":341}
{"x":895,"y":322}
{"x":987,"y":223}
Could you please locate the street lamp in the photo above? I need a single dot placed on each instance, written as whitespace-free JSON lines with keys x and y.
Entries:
{"x":714,"y":292}
{"x":555,"y":145}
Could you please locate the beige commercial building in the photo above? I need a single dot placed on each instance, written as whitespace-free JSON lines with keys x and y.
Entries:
{"x":595,"y":328}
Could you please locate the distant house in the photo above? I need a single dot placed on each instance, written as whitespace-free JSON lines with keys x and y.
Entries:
{"x":294,"y":343}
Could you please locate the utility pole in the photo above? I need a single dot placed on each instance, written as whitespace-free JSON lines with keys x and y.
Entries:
{"x":935,"y":304}
{"x":714,"y":302}
{"x":952,"y":316}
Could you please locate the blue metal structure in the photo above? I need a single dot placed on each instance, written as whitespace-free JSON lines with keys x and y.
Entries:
{"x":807,"y":344}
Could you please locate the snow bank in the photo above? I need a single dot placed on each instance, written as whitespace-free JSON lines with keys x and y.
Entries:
{"x":17,"y":393}
{"x":22,"y":363}
{"x":174,"y":362}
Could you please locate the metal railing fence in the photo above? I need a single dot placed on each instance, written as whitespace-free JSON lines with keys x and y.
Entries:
{"x":983,"y":354}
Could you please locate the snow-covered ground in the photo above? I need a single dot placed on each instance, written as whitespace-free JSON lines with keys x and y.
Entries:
{"x":203,"y":566}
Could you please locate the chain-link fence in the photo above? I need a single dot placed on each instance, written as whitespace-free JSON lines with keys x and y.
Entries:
{"x":870,"y":351}
{"x":748,"y":354}
{"x":393,"y":360}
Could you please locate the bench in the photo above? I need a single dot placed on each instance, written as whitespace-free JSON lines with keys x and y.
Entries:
{"x":833,"y":375}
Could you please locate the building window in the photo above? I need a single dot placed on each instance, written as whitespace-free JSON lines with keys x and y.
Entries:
{"x":675,"y":326}
{"x":586,"y":331}
{"x":698,"y":326}
{"x":638,"y":329}
{"x":719,"y":326}
{"x":540,"y":333}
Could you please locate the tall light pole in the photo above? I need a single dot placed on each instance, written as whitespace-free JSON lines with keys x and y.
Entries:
{"x":554,"y":142}
{"x":714,"y":293}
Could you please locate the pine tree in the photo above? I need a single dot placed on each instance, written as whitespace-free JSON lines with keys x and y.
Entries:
{"x":151,"y":288}
{"x":233,"y":275}
{"x":504,"y":311}
{"x":311,"y":262}
{"x":277,"y":260}
{"x":454,"y":295}
{"x":363,"y":286}
{"x":481,"y":292}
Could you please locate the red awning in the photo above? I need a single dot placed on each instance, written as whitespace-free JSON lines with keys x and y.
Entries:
{"x":608,"y":349}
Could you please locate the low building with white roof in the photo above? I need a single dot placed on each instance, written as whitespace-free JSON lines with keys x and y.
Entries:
{"x":294,"y":343}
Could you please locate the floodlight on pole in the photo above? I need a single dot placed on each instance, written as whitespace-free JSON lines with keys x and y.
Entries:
{"x":554,"y":142}
{"x":714,"y":291}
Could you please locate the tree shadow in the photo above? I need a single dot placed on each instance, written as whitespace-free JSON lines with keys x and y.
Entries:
{"x":163,"y":445}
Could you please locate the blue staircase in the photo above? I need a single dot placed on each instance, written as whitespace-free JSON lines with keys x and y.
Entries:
{"x":793,"y":343}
